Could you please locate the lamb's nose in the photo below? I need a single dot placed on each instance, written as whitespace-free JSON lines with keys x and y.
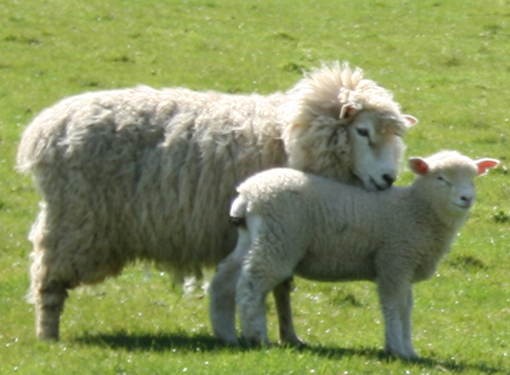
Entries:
{"x":388,"y":179}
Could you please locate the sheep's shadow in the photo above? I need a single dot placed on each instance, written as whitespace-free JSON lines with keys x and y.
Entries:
{"x":202,"y":342}
{"x":155,"y":342}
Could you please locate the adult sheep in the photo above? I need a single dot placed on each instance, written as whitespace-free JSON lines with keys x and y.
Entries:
{"x":291,"y":222}
{"x":149,"y":174}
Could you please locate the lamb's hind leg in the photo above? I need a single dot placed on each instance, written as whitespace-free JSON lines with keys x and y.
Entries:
{"x":222,"y":300}
{"x":264,"y":270}
{"x":222,"y":304}
{"x":281,"y":295}
{"x":250,"y":297}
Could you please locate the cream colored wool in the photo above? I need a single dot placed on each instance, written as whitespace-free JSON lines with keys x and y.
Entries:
{"x":149,"y":174}
{"x":291,"y":222}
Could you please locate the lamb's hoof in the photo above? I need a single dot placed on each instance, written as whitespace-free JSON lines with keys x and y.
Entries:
{"x":255,"y":343}
{"x":404,"y":355}
{"x":228,"y":343}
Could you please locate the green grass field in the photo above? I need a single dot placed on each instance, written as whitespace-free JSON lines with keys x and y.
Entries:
{"x":446,"y":62}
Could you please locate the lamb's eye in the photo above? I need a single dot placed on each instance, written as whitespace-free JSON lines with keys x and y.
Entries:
{"x":362,"y":132}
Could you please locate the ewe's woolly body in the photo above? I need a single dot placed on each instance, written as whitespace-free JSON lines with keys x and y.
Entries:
{"x":149,"y":169}
{"x":149,"y":174}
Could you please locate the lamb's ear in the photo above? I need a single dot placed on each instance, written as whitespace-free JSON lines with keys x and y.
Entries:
{"x":348,"y":111}
{"x":485,"y":164}
{"x":419,"y":166}
{"x":411,"y":120}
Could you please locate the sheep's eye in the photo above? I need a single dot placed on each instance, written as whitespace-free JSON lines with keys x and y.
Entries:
{"x":362,"y":132}
{"x":442,"y":179}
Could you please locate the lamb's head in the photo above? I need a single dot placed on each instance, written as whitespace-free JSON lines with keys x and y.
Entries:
{"x":446,"y":180}
{"x":346,"y":128}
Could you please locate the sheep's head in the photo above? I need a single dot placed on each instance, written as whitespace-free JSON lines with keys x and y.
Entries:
{"x":345,"y":127}
{"x":376,"y":145}
{"x":447,"y":179}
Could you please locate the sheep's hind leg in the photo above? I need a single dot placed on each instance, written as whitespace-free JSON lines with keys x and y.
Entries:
{"x":281,"y":295}
{"x":49,"y":304}
{"x":47,"y":294}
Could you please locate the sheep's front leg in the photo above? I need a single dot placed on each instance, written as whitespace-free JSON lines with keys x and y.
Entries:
{"x":283,"y":306}
{"x":396,"y":302}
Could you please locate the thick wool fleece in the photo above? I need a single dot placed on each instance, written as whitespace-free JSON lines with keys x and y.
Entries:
{"x":149,"y":174}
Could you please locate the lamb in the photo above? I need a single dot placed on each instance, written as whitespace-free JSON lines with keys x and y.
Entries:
{"x":145,"y":174}
{"x":291,"y":222}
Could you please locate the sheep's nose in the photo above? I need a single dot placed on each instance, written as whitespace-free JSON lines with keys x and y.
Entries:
{"x":466,"y":199}
{"x":388,"y":179}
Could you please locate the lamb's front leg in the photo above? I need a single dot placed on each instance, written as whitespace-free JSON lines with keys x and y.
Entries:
{"x":396,"y":302}
{"x":281,"y":295}
{"x":406,"y":325}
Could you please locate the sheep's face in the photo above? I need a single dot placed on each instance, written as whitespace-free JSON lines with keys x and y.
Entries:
{"x":377,"y":147}
{"x":448,"y":180}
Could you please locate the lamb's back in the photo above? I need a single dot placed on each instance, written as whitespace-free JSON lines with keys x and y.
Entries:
{"x":341,"y":230}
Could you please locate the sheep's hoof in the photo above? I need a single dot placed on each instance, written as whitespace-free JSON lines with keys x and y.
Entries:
{"x":295,"y":342}
{"x":48,"y":336}
{"x":48,"y":331}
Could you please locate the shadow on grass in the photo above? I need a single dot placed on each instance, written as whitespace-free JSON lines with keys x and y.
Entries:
{"x":198,"y":342}
{"x":448,"y":366}
{"x":159,"y":342}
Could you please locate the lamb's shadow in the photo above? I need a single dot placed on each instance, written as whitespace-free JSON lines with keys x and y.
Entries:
{"x":443,"y":365}
{"x":198,"y":342}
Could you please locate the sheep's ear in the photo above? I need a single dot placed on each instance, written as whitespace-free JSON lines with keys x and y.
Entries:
{"x":485,"y":164}
{"x":419,"y":166}
{"x":411,"y":120}
{"x":348,"y":111}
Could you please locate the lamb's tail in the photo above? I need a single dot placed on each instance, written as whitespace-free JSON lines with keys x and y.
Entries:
{"x":238,"y":211}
